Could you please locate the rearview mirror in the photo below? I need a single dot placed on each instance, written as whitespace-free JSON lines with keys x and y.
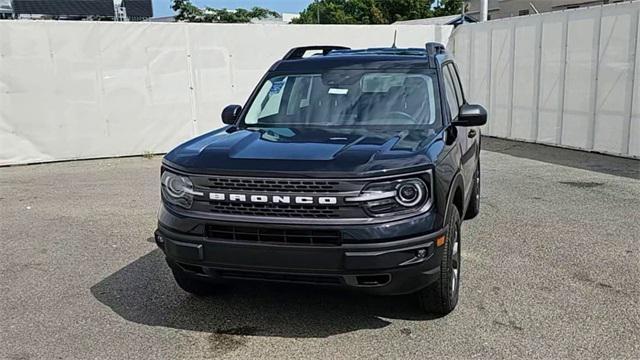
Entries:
{"x":231,"y":113}
{"x":471,"y":115}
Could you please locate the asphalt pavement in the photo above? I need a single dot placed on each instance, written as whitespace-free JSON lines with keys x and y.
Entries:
{"x":551,"y":269}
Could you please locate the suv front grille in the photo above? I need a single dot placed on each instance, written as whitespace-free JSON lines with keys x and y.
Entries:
{"x":273,"y":185}
{"x":291,"y":187}
{"x":274,"y":235}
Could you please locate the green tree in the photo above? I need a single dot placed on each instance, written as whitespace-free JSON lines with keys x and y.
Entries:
{"x":364,"y":11}
{"x":447,"y":7}
{"x":186,"y":11}
{"x":399,"y":10}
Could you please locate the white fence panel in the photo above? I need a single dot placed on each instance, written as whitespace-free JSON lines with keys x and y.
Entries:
{"x":566,"y":78}
{"x":525,"y":85}
{"x":73,"y":90}
{"x":553,"y":54}
{"x":501,"y":79}
{"x":480,"y":74}
{"x":618,"y":34}
{"x":634,"y":126}
{"x":580,"y":78}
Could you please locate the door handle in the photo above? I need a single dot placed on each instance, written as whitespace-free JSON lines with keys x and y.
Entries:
{"x":472,"y":133}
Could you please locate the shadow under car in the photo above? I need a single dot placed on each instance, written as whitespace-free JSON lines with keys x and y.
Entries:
{"x":144,"y":292}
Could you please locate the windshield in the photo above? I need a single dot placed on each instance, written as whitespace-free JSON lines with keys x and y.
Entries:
{"x":348,"y":98}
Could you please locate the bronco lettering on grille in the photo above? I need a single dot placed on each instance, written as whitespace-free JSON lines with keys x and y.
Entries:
{"x":274,"y":199}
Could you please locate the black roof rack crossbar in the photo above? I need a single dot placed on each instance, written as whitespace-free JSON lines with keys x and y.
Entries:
{"x":298,"y":52}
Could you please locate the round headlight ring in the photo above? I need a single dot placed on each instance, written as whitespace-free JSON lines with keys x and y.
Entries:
{"x":410,"y":193}
{"x":176,"y":185}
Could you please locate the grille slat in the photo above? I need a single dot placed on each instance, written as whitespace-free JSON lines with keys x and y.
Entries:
{"x":275,"y":210}
{"x":275,"y":235}
{"x":299,"y":186}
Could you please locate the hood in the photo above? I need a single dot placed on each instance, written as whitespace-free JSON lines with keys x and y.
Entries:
{"x":318,"y":151}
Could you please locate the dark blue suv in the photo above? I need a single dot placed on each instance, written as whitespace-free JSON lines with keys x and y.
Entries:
{"x":350,"y":168}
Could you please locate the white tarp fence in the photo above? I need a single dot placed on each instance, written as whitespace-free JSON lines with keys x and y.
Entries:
{"x":568,"y":78}
{"x":73,"y":90}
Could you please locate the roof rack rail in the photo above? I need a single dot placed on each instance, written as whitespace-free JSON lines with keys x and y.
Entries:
{"x":433,"y":49}
{"x":298,"y":52}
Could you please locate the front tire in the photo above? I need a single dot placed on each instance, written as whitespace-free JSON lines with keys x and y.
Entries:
{"x":441,"y":297}
{"x":191,"y":283}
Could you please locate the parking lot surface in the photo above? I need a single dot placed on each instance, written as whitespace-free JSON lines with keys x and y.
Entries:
{"x":551,"y":269}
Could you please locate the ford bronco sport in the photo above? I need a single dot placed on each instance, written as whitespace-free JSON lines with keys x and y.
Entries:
{"x":351,"y":168}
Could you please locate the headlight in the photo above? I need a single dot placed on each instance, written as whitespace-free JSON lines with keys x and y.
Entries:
{"x":394,"y":197}
{"x":410,"y":193}
{"x":178,"y":189}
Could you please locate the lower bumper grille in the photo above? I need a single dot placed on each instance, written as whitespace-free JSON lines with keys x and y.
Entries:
{"x":311,"y":279}
{"x":275,"y":235}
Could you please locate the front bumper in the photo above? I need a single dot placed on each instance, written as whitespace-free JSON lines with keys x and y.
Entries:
{"x":398,"y":266}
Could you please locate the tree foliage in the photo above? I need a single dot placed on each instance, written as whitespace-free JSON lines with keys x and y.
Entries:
{"x":448,"y":7}
{"x":328,"y":11}
{"x":363,"y":11}
{"x":186,"y":11}
{"x":374,"y":11}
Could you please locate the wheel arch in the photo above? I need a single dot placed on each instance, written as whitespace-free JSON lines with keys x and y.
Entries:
{"x":455,"y":196}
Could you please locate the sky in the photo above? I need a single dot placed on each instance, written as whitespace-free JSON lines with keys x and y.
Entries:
{"x":163,"y":7}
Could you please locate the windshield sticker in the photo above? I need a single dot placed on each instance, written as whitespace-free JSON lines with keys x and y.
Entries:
{"x":335,"y":91}
{"x":276,"y":87}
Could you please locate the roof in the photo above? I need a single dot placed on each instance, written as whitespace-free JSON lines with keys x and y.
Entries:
{"x":441,"y":20}
{"x":372,"y":58}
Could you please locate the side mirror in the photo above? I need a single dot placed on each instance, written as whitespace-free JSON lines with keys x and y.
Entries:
{"x":471,"y":115}
{"x":231,"y":113}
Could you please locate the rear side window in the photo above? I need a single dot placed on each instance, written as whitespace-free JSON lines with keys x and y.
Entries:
{"x":452,"y":98}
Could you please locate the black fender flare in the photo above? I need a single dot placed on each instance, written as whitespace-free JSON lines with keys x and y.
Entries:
{"x":457,"y":182}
